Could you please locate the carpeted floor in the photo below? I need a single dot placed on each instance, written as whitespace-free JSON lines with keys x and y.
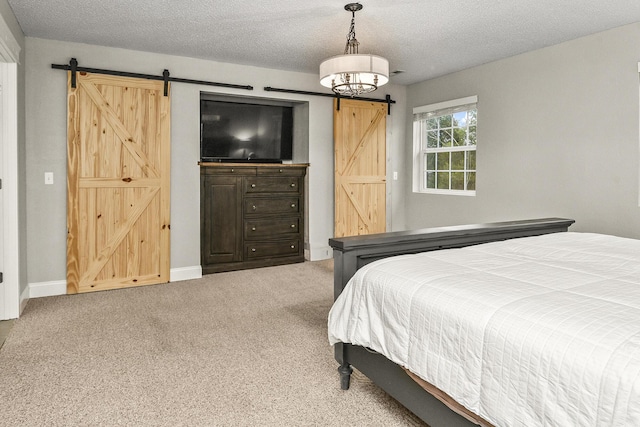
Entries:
{"x":246,"y":348}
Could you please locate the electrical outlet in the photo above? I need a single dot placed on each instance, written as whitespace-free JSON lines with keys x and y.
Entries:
{"x":48,"y":178}
{"x":395,"y":175}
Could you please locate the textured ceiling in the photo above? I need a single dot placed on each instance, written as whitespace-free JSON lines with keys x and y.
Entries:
{"x":423,"y":38}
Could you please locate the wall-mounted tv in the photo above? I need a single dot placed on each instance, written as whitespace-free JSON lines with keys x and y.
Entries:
{"x":244,"y":132}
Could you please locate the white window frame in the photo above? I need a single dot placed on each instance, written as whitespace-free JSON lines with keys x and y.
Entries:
{"x":419,"y":151}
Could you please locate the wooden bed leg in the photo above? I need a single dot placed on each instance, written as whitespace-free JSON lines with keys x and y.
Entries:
{"x":345,"y":375}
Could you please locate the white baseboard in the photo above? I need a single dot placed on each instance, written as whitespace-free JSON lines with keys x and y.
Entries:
{"x":47,"y":289}
{"x":59,"y":287}
{"x":318,"y":253}
{"x":24,"y":298}
{"x":185,"y":273}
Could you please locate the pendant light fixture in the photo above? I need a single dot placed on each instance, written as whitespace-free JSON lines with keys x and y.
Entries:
{"x":352,"y":73}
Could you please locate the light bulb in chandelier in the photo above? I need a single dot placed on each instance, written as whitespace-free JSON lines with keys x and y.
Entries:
{"x":352,"y":73}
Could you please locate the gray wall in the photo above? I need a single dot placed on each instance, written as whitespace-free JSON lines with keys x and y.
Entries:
{"x":557,"y":136}
{"x":46,"y":144}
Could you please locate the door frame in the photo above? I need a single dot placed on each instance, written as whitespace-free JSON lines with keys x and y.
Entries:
{"x":9,"y":58}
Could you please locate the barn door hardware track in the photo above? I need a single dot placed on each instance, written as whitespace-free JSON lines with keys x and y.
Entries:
{"x":73,"y":67}
{"x":386,"y":100}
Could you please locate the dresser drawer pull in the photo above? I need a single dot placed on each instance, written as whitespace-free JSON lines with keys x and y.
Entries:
{"x":253,"y":186}
{"x":293,"y":185}
{"x":232,"y":170}
{"x":280,"y":171}
{"x":293,"y":246}
{"x":253,"y":207}
{"x":293,"y":205}
{"x":253,"y":249}
{"x":253,"y":229}
{"x":293,"y":226}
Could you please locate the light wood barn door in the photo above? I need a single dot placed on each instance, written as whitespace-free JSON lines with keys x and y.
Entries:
{"x":118,"y":208}
{"x":360,"y":167}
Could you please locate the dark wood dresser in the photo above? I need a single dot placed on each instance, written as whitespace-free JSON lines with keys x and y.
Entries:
{"x":251,"y":215}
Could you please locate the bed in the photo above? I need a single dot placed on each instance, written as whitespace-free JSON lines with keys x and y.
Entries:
{"x":520,"y":323}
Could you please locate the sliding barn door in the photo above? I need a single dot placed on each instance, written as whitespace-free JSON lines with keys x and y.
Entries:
{"x":360,"y":167}
{"x":118,"y":183}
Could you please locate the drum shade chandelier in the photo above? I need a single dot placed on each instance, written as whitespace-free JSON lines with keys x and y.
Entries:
{"x":353,"y":74}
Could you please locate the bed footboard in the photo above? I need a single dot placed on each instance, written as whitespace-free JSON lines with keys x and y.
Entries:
{"x":352,"y":253}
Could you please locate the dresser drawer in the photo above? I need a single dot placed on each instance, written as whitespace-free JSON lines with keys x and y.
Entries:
{"x":271,"y":228}
{"x":258,"y":250}
{"x":281,"y":171}
{"x":272,"y":205}
{"x":273,"y":184}
{"x":227,"y":170}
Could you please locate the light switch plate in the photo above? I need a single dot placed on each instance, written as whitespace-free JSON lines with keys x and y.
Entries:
{"x":48,"y":178}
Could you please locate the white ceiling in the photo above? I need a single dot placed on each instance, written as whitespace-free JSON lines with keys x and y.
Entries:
{"x":423,"y":38}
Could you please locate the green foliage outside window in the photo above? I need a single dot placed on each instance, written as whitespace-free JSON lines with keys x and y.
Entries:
{"x":450,"y":158}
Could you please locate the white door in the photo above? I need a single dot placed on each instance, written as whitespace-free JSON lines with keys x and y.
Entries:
{"x":9,"y":212}
{"x":2,"y":291}
{"x":9,"y":247}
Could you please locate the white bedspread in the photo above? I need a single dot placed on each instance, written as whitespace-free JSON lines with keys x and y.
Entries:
{"x":539,"y":331}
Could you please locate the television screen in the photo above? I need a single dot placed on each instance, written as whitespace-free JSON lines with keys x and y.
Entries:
{"x":234,"y":131}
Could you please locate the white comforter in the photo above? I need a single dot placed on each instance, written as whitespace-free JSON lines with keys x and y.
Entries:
{"x":539,"y":331}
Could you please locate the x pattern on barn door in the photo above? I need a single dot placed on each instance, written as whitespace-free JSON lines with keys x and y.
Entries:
{"x":360,"y":168}
{"x":118,"y":210}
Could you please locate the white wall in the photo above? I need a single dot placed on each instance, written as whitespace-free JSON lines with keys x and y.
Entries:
{"x":46,"y":144}
{"x":557,"y":136}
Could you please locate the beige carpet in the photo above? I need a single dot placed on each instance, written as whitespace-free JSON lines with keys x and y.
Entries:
{"x":244,"y":348}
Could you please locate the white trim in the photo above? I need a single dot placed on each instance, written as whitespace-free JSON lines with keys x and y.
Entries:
{"x":185,"y":273}
{"x":417,"y":149}
{"x":420,"y":115}
{"x":9,"y":47}
{"x":9,"y":193}
{"x":639,"y":139}
{"x":319,"y":253}
{"x":24,"y":298}
{"x":47,"y":289}
{"x":449,"y":192}
{"x":2,"y":244}
{"x":446,"y":104}
{"x":59,"y":287}
{"x":9,"y":57}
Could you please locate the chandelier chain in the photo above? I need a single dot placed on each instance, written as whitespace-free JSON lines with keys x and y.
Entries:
{"x":352,"y":42}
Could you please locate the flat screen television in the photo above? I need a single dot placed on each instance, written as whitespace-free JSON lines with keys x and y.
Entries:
{"x":245,"y":132}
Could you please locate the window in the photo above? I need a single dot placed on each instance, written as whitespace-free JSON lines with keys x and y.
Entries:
{"x":444,"y":140}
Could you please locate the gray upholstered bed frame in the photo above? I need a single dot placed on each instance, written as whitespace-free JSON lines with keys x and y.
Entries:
{"x":352,"y":253}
